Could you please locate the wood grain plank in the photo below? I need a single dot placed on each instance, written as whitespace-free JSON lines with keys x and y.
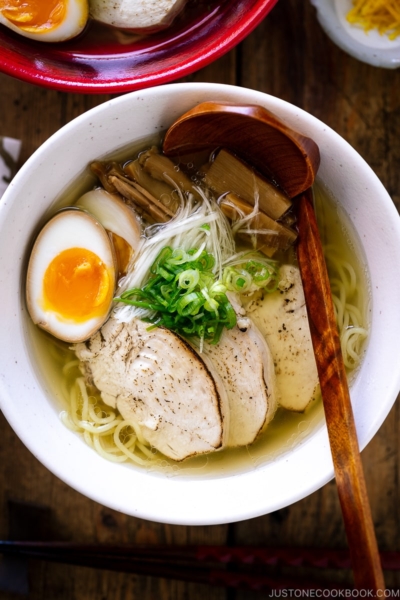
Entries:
{"x":289,"y":56}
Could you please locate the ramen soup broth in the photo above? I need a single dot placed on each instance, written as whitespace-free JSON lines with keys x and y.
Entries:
{"x":57,"y":365}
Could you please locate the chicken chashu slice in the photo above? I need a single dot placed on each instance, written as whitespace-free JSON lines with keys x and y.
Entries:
{"x":282,"y":318}
{"x":156,"y":379}
{"x":244,"y":362}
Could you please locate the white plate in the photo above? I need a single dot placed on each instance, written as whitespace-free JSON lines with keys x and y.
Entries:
{"x":372,"y":48}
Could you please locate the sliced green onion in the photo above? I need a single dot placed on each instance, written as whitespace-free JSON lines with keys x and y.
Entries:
{"x":237,"y":280}
{"x":179,"y":256}
{"x":161,"y":258}
{"x":164,"y":273}
{"x":188,"y":279}
{"x":184,"y":295}
{"x":189,"y":304}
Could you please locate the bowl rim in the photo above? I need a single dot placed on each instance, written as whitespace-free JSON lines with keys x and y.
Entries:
{"x":219,"y":44}
{"x":190,"y":501}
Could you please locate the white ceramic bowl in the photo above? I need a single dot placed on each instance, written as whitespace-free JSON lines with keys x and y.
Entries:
{"x":25,"y":391}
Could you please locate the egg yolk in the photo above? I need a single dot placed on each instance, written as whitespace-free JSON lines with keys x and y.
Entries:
{"x":77,"y":285}
{"x":33,"y":15}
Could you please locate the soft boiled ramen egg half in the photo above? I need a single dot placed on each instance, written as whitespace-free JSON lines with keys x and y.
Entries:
{"x":71,"y":276}
{"x":45,"y":20}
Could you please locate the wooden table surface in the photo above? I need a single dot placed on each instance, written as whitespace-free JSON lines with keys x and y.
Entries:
{"x":288,"y":56}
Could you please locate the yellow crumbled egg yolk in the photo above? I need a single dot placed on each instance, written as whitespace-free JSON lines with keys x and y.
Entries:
{"x":77,"y":285}
{"x":383,"y":15}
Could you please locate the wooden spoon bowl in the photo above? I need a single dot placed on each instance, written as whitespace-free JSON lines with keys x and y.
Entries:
{"x":253,"y":133}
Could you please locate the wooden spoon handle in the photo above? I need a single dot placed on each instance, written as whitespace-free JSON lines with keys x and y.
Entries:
{"x":336,"y":399}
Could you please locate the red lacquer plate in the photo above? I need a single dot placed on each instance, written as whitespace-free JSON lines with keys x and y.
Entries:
{"x":106,"y":60}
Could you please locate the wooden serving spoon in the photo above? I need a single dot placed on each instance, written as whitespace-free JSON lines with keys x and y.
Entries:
{"x":292,"y":160}
{"x":253,"y":133}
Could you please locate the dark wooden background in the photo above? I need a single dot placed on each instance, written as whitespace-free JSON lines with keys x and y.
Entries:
{"x":289,"y":56}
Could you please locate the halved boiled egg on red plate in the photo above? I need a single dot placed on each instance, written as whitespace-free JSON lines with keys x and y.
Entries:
{"x":45,"y":20}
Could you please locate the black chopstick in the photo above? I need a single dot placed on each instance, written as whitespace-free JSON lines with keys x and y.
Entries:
{"x":184,"y":563}
{"x":237,"y":555}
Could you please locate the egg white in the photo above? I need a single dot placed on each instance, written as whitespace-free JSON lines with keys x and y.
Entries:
{"x":68,"y":229}
{"x":77,"y":14}
{"x":113,"y":214}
